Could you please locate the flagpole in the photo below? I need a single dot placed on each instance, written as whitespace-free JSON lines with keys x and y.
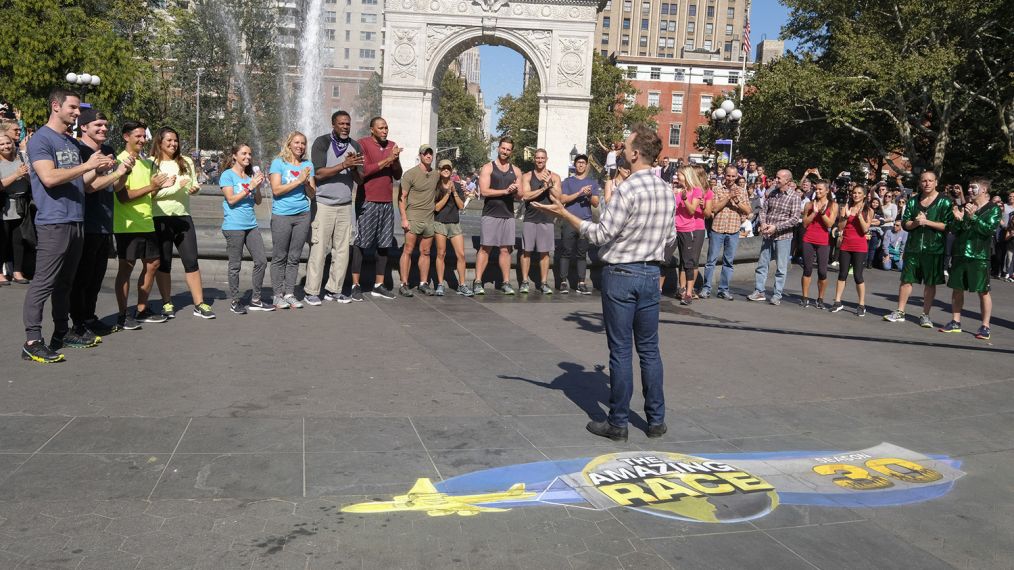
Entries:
{"x":749,"y":50}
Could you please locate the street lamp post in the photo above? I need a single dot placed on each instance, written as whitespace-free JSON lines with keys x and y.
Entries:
{"x":85,"y":80}
{"x":197,"y":120}
{"x":725,"y":116}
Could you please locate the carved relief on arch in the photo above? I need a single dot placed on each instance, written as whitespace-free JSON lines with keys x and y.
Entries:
{"x":542,"y":41}
{"x":572,"y":65}
{"x":404,"y":55}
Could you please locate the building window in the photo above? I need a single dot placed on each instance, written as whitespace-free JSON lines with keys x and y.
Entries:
{"x":348,"y":35}
{"x":348,"y":17}
{"x":629,"y":99}
{"x":665,"y":9}
{"x":677,"y":103}
{"x":672,"y":25}
{"x":674,"y":134}
{"x":709,"y":28}
{"x":605,"y":39}
{"x":728,"y":47}
{"x":705,"y":104}
{"x":336,"y":90}
{"x":680,"y":74}
{"x":670,"y":43}
{"x":688,"y":45}
{"x":604,"y":52}
{"x":628,"y":5}
{"x":656,"y":73}
{"x":644,"y":24}
{"x":626,"y":39}
{"x":728,"y":29}
{"x":709,"y":75}
{"x":711,"y":12}
{"x":645,"y":7}
{"x":653,"y":97}
{"x":730,"y":13}
{"x":733,"y":77}
{"x":371,"y":2}
{"x":346,"y":53}
{"x":609,"y":5}
{"x":367,"y":36}
{"x":690,"y":27}
{"x":329,"y":34}
{"x":626,"y":23}
{"x":368,"y":18}
{"x":605,"y":22}
{"x":707,"y":45}
{"x":631,"y":72}
{"x":642,"y":41}
{"x":367,"y":53}
{"x":330,"y":17}
{"x":692,"y":10}
{"x":661,"y":44}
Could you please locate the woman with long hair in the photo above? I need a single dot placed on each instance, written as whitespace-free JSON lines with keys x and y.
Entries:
{"x":447,"y":228}
{"x":240,"y":183}
{"x":853,"y":223}
{"x":876,"y":234}
{"x":292,"y":187}
{"x":173,"y":224}
{"x":689,"y":190}
{"x":818,"y":218}
{"x":14,"y":188}
{"x":621,"y":174}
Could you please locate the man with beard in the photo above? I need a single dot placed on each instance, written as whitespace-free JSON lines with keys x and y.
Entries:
{"x":381,"y":167}
{"x":499,"y":184}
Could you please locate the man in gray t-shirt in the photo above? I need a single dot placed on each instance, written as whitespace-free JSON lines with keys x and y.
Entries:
{"x":337,"y":160}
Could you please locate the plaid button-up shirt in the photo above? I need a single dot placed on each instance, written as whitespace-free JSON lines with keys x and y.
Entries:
{"x":782,"y":209}
{"x":637,"y":225}
{"x":728,"y":220}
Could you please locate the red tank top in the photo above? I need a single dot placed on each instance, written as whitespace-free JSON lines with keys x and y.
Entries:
{"x":817,"y":233}
{"x":854,"y":240}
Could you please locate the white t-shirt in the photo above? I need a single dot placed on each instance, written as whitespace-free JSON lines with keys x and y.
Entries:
{"x":611,"y":159}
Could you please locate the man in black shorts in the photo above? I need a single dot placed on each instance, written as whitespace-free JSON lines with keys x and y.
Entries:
{"x":499,"y":183}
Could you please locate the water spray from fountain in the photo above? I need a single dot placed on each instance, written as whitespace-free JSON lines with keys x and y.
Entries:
{"x":232,"y":42}
{"x":309,"y":118}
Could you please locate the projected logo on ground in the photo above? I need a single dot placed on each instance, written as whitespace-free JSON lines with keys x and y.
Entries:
{"x":706,"y":488}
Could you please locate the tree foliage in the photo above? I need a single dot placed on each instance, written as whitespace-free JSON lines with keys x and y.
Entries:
{"x":369,"y":103}
{"x":458,"y":109}
{"x":519,"y":118}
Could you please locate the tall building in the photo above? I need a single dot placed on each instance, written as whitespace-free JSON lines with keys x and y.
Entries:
{"x":353,"y":34}
{"x":769,"y":50}
{"x":469,"y":64}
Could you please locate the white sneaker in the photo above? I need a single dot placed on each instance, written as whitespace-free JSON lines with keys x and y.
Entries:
{"x":292,"y":301}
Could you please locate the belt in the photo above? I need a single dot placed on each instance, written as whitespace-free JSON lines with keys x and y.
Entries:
{"x":646,"y":263}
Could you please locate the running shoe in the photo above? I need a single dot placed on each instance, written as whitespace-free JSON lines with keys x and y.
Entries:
{"x":169,"y":311}
{"x":146,"y":316}
{"x":756,"y":296}
{"x":546,"y":289}
{"x":128,"y":323}
{"x":313,"y":300}
{"x":895,"y":316}
{"x":292,"y":301}
{"x":478,"y":288}
{"x":775,"y":301}
{"x":951,"y":327}
{"x":805,"y":303}
{"x":280,"y":303}
{"x":357,"y":293}
{"x":426,"y":289}
{"x":705,"y":294}
{"x":819,"y":305}
{"x":861,"y":311}
{"x":982,"y":333}
{"x":258,"y":305}
{"x":464,"y":291}
{"x":583,"y":289}
{"x":204,"y":311}
{"x":925,"y":322}
{"x":523,"y":287}
{"x":686,"y":299}
{"x":440,"y":291}
{"x":39,"y":352}
{"x":99,"y":328}
{"x":507,"y":289}
{"x":404,"y":291}
{"x":725,"y":295}
{"x":340,"y":298}
{"x":238,"y":308}
{"x":837,"y":307}
{"x":565,"y":287}
{"x":381,"y":292}
{"x":71,"y":339}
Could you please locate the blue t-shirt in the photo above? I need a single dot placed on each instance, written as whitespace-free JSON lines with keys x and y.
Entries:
{"x":239,"y":216}
{"x":295,"y":201}
{"x":64,"y":203}
{"x":582,"y":206}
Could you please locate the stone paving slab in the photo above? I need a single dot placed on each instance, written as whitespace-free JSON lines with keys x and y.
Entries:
{"x":235,"y":443}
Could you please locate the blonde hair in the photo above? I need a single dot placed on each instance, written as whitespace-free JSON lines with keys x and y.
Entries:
{"x":286,"y":153}
{"x":690,"y":174}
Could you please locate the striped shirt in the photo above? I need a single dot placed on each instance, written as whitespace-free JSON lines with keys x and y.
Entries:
{"x":638,"y":224}
{"x":782,"y":209}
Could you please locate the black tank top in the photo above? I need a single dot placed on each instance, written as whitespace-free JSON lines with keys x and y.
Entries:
{"x":533,"y":215}
{"x":500,"y":206}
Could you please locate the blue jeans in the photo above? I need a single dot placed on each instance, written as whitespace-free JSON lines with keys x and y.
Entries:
{"x":874,"y":248}
{"x":727,"y":244}
{"x":782,"y":248}
{"x":630,"y":303}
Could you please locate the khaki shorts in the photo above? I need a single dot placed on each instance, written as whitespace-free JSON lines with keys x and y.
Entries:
{"x":422,"y":228}
{"x":449,"y":230}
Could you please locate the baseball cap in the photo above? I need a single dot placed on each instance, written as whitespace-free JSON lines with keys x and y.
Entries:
{"x":425,"y":147}
{"x":443,"y":163}
{"x":90,"y":114}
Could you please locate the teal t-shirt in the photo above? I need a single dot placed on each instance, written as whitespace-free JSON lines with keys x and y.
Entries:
{"x":238,"y":216}
{"x":295,"y":201}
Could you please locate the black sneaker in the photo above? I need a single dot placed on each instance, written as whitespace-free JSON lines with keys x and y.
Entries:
{"x":71,"y":339}
{"x":39,"y":352}
{"x":381,"y":292}
{"x":861,"y":311}
{"x":238,"y":308}
{"x":99,"y":328}
{"x":404,"y":290}
{"x":128,"y":323}
{"x":805,"y":303}
{"x":564,"y":287}
{"x":258,"y":305}
{"x":837,"y":307}
{"x":657,"y":430}
{"x":583,"y":289}
{"x":357,"y":293}
{"x":819,"y":305}
{"x":146,"y":316}
{"x":606,"y":429}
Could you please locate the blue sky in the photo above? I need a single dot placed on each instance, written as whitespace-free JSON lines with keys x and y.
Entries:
{"x":502,"y":67}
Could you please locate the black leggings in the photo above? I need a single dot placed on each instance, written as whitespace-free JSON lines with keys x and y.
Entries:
{"x":856,"y":259}
{"x":380,"y":268}
{"x":178,"y":231}
{"x":12,"y":246}
{"x":821,"y":252}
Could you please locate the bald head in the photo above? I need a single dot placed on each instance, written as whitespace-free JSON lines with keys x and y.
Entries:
{"x":784,"y":176}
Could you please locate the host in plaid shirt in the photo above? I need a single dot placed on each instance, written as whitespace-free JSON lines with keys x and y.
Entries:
{"x":778,"y":216}
{"x":634,"y":234}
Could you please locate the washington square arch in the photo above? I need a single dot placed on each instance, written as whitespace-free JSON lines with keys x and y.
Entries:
{"x":422,"y":37}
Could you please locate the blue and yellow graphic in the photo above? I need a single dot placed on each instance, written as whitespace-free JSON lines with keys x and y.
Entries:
{"x":709,"y":488}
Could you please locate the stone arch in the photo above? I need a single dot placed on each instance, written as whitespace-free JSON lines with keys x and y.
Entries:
{"x":451,"y":48}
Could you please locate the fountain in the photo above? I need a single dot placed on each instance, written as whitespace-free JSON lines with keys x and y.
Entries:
{"x":309,"y":118}
{"x":225,"y":15}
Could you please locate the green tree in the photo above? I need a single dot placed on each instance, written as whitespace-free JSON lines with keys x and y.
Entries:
{"x":460,"y":124}
{"x":519,"y":118}
{"x":369,"y":103}
{"x":610,"y":115}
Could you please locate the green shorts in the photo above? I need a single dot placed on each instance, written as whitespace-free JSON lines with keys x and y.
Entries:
{"x":449,"y":230}
{"x":422,"y":228}
{"x":969,"y":275}
{"x":923,"y":268}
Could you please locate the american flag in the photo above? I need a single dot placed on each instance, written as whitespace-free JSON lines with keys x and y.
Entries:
{"x":746,"y":38}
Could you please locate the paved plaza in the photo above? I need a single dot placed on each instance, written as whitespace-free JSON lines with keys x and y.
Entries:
{"x":236,"y":443}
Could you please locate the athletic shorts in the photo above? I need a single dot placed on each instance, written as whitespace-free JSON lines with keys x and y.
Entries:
{"x":422,"y":228}
{"x":375,"y":225}
{"x":132,"y":247}
{"x":497,"y":232}
{"x":540,"y":237}
{"x":176,"y":231}
{"x":449,"y":230}
{"x":923,"y":268}
{"x":690,"y":244}
{"x":969,"y":275}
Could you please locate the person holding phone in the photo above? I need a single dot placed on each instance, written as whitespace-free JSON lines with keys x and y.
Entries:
{"x":853,"y":223}
{"x":337,"y":161}
{"x":292,"y":185}
{"x":241,"y":184}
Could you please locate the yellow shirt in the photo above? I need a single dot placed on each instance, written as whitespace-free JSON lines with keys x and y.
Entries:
{"x":134,"y":216}
{"x":175,"y":200}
